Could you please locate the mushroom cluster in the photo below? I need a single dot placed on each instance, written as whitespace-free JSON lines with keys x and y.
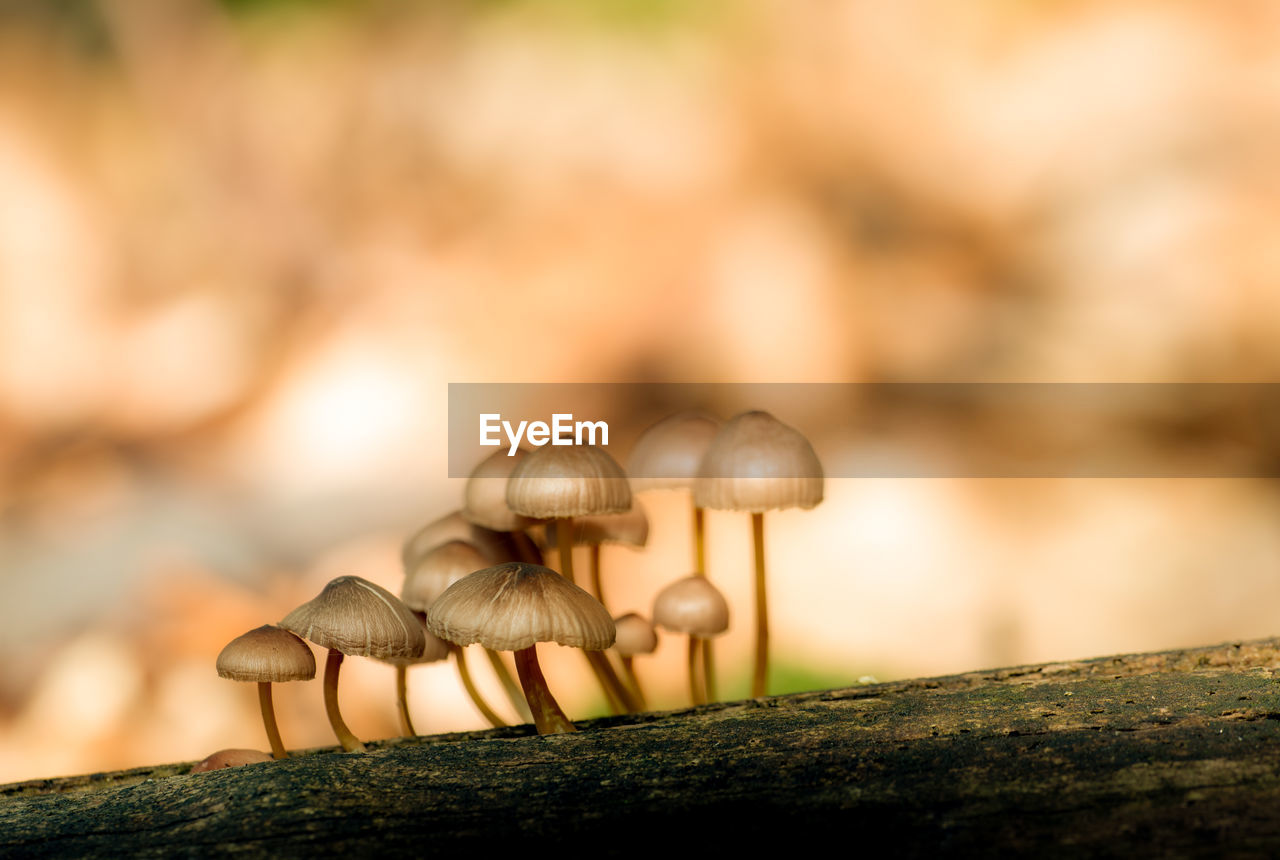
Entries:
{"x":477,"y":576}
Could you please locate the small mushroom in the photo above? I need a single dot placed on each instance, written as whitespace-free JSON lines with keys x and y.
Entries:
{"x":512,"y":607}
{"x":354,"y":616}
{"x":636,"y":635}
{"x":758,"y":464}
{"x":266,"y":655}
{"x":694,"y":606}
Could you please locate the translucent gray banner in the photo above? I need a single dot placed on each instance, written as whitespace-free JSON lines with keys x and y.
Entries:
{"x":910,"y":430}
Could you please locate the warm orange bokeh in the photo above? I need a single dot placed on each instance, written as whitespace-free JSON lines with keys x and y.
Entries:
{"x":243,"y":253}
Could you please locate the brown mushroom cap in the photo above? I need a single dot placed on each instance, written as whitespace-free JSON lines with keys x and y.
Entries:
{"x":438,"y":569}
{"x":756,"y":463}
{"x":267,"y":654}
{"x":512,"y":606}
{"x":230,"y":758}
{"x":568,"y":481}
{"x":667,"y":455}
{"x":434,"y":650}
{"x":453,"y":526}
{"x":692,"y":605}
{"x":629,"y":527}
{"x":485,"y":498}
{"x":636,"y":635}
{"x":357,"y":617}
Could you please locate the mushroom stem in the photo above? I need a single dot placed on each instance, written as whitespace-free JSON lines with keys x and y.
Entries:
{"x":547,"y":715}
{"x":699,"y":541}
{"x":615,"y":692}
{"x":402,"y":701}
{"x":760,"y":678}
{"x":469,"y":685}
{"x":629,"y":670}
{"x":695,"y":689}
{"x":526,"y":550}
{"x":709,"y":671}
{"x":269,"y":720}
{"x":332,"y":666}
{"x":595,"y":573}
{"x":509,"y":684}
{"x":700,"y":568}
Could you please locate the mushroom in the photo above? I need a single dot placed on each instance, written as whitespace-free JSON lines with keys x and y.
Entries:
{"x":512,"y":607}
{"x":694,"y":606}
{"x":756,"y":463}
{"x":354,"y":616}
{"x":229,"y":758}
{"x":497,"y":546}
{"x":560,"y":482}
{"x":667,"y":456}
{"x":434,"y":572}
{"x":264,"y":656}
{"x":635,"y":636}
{"x":485,"y":503}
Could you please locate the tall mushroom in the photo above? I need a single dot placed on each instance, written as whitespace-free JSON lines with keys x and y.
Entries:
{"x":667,"y":456}
{"x":756,"y":463}
{"x":635,"y":636}
{"x":485,"y":503}
{"x":266,"y":655}
{"x":560,"y":482}
{"x":512,"y":607}
{"x":354,"y":616}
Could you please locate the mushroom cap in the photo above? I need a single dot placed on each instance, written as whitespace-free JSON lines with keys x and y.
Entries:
{"x":357,"y":617}
{"x":438,"y":569}
{"x":667,"y":455}
{"x":557,"y":481}
{"x":435,"y":649}
{"x":511,"y":606}
{"x":267,"y":654}
{"x":692,"y":605}
{"x":756,"y":463}
{"x":230,"y":758}
{"x":636,"y":635}
{"x":454,"y":526}
{"x":485,"y":498}
{"x":629,"y":527}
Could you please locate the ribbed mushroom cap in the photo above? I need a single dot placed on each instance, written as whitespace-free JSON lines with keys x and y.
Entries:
{"x":435,"y":649}
{"x":512,"y":606}
{"x":485,"y":498}
{"x":267,"y":654}
{"x":629,"y":527}
{"x":635,"y":635}
{"x":454,"y":526}
{"x":568,"y":481}
{"x":357,"y":617}
{"x":437,"y":570}
{"x":692,"y":605}
{"x":667,"y":455}
{"x":756,"y":463}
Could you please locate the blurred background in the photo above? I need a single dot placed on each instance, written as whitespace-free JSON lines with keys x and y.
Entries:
{"x":245,"y":246}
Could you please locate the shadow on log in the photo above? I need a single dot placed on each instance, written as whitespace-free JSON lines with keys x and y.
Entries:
{"x":1176,"y":753}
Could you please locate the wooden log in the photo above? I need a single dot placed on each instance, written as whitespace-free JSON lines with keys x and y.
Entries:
{"x":1176,"y":753}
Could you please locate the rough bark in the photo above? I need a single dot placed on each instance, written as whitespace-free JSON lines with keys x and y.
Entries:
{"x":1175,"y":753}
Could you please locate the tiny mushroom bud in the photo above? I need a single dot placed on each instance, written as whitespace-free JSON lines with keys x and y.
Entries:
{"x":229,"y":758}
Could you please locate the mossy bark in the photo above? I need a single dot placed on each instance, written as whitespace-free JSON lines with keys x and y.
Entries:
{"x":1165,"y":754}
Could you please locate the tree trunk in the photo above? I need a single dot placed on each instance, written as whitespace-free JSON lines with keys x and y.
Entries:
{"x":1176,"y":753}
